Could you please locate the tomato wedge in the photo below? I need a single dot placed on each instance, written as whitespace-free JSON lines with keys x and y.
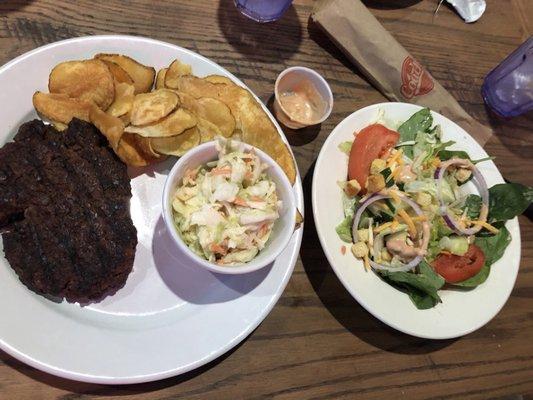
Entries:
{"x":372,"y":142}
{"x":455,"y":268}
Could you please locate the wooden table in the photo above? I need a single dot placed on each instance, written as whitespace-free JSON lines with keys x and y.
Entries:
{"x":318,"y":343}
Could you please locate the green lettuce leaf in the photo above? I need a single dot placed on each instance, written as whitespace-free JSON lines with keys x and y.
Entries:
{"x":420,"y":121}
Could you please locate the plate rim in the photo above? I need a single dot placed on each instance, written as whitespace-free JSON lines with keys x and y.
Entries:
{"x":297,"y":188}
{"x":329,"y":254}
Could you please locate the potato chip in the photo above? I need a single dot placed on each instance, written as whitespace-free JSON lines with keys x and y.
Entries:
{"x":207,"y":130}
{"x":142,"y":76}
{"x":212,"y":110}
{"x":118,"y":72}
{"x":123,"y":100}
{"x":218,"y":79}
{"x":133,"y":151}
{"x":59,"y":126}
{"x":125,"y":119}
{"x":60,"y":108}
{"x":299,"y":219}
{"x":151,"y":107}
{"x":172,"y":125}
{"x":87,"y":80}
{"x":175,"y":70}
{"x":111,"y":127}
{"x":130,"y":148}
{"x":257,"y":128}
{"x":142,"y":153}
{"x":160,"y":80}
{"x":218,"y":113}
{"x":177,"y":145}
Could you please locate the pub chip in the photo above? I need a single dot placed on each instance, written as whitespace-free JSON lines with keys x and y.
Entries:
{"x":143,"y":125}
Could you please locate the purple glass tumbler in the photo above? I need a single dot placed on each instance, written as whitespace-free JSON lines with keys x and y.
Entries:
{"x":263,"y":10}
{"x":508,"y":88}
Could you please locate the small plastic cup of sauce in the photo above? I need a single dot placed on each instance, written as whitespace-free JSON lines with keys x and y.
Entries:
{"x":302,"y":98}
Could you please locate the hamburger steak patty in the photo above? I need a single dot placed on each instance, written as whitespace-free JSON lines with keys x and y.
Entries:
{"x":64,"y":212}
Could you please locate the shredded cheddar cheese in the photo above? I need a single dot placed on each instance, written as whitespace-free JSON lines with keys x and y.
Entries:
{"x":486,"y":225}
{"x":410,"y":224}
{"x":382,"y":227}
{"x":394,"y":158}
{"x":394,"y":195}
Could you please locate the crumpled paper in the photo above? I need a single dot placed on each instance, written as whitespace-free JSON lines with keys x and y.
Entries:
{"x":469,"y":10}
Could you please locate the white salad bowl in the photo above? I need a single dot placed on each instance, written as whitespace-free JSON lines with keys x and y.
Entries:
{"x":283,"y":227}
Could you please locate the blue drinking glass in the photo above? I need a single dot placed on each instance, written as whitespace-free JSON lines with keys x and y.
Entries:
{"x":263,"y":10}
{"x":508,"y":88}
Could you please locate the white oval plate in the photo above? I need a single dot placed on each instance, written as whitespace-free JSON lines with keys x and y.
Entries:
{"x":460,"y":312}
{"x":170,"y":317}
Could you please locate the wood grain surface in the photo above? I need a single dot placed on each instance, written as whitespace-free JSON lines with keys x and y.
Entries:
{"x":318,"y":343}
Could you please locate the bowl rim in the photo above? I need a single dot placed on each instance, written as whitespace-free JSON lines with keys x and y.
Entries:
{"x":240,"y":268}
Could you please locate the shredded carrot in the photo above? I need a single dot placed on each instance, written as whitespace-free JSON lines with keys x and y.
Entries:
{"x":221,"y":171}
{"x":263,"y":230}
{"x":409,"y":222}
{"x":256,"y":198}
{"x":216,"y":248}
{"x":382,"y":227}
{"x":240,"y":202}
{"x":486,"y":225}
{"x":343,"y":250}
{"x":394,"y":158}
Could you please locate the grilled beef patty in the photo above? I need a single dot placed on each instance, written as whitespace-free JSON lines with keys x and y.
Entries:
{"x":64,"y":212}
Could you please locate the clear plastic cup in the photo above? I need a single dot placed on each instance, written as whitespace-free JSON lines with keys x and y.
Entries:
{"x":508,"y":88}
{"x":263,"y":10}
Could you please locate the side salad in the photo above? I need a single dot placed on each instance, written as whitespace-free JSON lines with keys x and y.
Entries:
{"x":409,"y":216}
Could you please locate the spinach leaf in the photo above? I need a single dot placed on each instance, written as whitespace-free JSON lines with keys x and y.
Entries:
{"x":445,"y":155}
{"x":493,"y":247}
{"x":420,"y":121}
{"x":435,"y":279}
{"x":422,"y":300}
{"x":507,"y":200}
{"x":344,"y":229}
{"x":421,"y":287}
{"x":473,"y":206}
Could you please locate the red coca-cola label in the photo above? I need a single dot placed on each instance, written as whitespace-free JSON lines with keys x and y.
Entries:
{"x":415,"y":79}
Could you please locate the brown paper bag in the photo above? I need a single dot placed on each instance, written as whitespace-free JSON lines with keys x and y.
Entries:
{"x":400,"y":77}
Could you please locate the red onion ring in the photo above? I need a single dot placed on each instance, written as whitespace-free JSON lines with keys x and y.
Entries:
{"x":481,"y":185}
{"x":425,"y":234}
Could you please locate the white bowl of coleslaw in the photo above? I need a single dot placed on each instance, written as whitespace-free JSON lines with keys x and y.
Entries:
{"x":229,"y":207}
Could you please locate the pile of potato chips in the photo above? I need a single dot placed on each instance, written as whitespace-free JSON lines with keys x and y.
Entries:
{"x":142,"y":125}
